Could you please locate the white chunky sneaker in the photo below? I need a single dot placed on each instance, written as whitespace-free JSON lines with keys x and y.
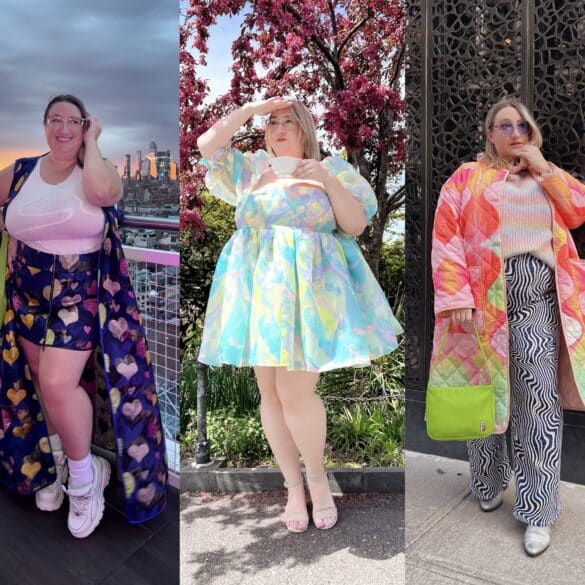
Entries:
{"x":492,"y":503}
{"x":51,"y":497}
{"x":86,"y":504}
{"x":536,"y":539}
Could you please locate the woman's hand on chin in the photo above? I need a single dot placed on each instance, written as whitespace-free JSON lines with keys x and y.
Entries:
{"x":531,"y":159}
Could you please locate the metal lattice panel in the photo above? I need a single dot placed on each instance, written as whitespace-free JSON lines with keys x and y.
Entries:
{"x":415,"y":245}
{"x":461,"y":58}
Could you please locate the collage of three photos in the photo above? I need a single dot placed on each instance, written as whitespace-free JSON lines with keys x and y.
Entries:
{"x":292,"y":291}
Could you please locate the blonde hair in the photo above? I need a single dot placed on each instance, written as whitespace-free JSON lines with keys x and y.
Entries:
{"x":306,"y":123}
{"x":490,"y":157}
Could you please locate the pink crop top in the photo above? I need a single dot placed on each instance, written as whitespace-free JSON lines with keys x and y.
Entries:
{"x":55,"y":218}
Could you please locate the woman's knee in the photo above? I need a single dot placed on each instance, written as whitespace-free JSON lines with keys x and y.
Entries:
{"x":296,"y":389}
{"x":297,"y":400}
{"x":56,"y":389}
{"x":269,"y":397}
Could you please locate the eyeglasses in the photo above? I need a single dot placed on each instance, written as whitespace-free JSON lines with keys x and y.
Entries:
{"x":57,"y":121}
{"x":288,"y":124}
{"x":507,"y":128}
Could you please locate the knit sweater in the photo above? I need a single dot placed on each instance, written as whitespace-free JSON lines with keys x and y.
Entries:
{"x":526,"y":219}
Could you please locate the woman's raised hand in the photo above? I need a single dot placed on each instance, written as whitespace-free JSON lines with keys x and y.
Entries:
{"x":220,"y":134}
{"x":265,"y":107}
{"x":93,"y":129}
{"x":531,"y":159}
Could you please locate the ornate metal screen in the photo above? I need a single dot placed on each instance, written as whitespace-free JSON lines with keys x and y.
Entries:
{"x":462,"y":56}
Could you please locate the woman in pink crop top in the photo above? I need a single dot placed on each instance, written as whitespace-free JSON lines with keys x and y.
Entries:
{"x":56,"y":226}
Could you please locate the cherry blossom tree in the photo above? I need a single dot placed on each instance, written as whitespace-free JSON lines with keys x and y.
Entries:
{"x":341,"y":58}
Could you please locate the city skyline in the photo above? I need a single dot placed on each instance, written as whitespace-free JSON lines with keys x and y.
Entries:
{"x":121,"y":63}
{"x":148,"y":162}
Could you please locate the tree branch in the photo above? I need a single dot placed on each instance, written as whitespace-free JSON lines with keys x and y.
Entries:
{"x":352,"y":33}
{"x":333,"y":19}
{"x":397,"y":66}
{"x":323,"y":47}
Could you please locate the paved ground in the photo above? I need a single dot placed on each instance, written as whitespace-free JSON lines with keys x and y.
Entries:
{"x":450,"y":541}
{"x":237,"y":539}
{"x":37,"y":549}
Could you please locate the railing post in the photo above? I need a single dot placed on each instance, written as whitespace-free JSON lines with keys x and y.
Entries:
{"x":202,"y":445}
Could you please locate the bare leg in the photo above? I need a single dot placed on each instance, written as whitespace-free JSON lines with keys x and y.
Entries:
{"x":306,"y":419}
{"x":281,"y":442}
{"x":68,"y":406}
{"x":32,"y":352}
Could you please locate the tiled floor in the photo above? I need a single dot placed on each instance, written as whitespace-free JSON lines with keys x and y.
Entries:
{"x":37,"y":549}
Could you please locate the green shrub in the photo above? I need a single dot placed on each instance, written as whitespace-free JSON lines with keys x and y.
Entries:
{"x":187,"y":393}
{"x":233,"y":387}
{"x":370,"y":433}
{"x":240,"y":439}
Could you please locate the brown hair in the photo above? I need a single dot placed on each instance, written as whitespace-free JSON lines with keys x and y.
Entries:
{"x":70,"y":99}
{"x":309,"y":141}
{"x":490,"y":157}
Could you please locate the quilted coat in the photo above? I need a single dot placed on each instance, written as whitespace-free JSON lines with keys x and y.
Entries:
{"x":468,"y":272}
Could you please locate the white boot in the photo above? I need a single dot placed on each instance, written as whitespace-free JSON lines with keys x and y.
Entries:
{"x":536,"y":539}
{"x":492,"y":503}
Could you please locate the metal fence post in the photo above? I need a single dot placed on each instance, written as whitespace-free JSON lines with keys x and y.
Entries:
{"x":202,"y":445}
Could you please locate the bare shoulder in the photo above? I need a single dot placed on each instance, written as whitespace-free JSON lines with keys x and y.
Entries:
{"x":6,"y":175}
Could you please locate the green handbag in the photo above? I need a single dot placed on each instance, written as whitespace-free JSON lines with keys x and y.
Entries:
{"x":3,"y":262}
{"x":460,"y":413}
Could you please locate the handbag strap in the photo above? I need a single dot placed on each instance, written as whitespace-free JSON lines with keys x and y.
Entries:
{"x":444,"y":337}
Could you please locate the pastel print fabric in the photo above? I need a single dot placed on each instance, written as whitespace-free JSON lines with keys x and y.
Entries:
{"x":289,"y":289}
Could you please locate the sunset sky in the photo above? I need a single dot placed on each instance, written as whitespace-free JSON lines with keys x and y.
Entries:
{"x":120,"y":58}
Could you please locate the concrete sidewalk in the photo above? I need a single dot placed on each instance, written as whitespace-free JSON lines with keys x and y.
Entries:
{"x":238,"y":539}
{"x":450,"y":541}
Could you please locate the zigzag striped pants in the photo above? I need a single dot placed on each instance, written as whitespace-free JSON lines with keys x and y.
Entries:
{"x":536,"y":414}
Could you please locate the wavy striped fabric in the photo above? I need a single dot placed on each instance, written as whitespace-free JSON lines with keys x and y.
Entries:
{"x":536,"y":425}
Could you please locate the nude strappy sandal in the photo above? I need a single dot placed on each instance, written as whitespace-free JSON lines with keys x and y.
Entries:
{"x":295,"y":516}
{"x":322,"y":514}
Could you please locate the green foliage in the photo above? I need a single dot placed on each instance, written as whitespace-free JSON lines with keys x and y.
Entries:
{"x":240,"y":439}
{"x":383,"y":378}
{"x":187,"y":393}
{"x":233,"y":387}
{"x":391,"y":271}
{"x":198,"y":265}
{"x":369,"y":432}
{"x":365,"y":410}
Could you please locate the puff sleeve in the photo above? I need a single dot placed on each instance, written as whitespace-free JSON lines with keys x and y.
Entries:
{"x":354,"y":183}
{"x":231,"y":173}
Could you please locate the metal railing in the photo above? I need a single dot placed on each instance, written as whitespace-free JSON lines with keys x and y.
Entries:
{"x":155,"y":277}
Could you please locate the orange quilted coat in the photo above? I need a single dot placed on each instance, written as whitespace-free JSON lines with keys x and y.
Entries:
{"x":468,"y":271}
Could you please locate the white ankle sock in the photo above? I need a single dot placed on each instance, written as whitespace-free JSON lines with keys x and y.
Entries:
{"x":80,"y":472}
{"x":55,"y":442}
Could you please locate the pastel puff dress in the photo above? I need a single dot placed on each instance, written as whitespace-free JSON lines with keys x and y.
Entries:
{"x":290,"y":289}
